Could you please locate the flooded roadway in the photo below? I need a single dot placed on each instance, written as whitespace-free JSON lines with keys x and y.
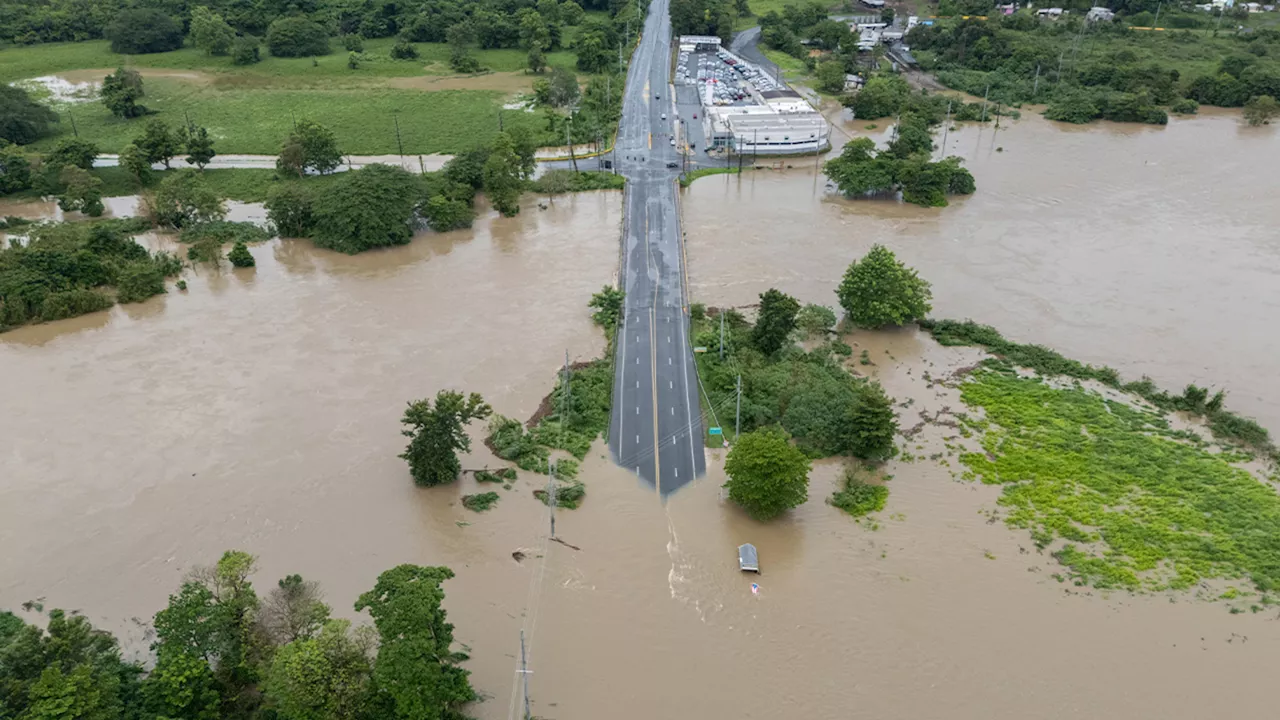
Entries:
{"x":260,"y":411}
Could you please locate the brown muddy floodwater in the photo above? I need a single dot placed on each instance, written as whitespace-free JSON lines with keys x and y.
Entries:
{"x":259,"y":410}
{"x":1152,"y":249}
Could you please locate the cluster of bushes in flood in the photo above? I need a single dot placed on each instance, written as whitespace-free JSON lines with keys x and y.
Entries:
{"x":63,"y":270}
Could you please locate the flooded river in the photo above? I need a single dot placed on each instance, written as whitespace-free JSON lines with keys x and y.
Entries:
{"x":1151,"y":249}
{"x":260,"y":410}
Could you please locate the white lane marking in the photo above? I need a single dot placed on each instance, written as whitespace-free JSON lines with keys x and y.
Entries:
{"x":668,"y":361}
{"x":673,"y":410}
{"x":637,"y":409}
{"x":637,"y":387}
{"x":677,"y":472}
{"x":668,"y":338}
{"x":671,"y":384}
{"x":637,"y":360}
{"x":637,"y":442}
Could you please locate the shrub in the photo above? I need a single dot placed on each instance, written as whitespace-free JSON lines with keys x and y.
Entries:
{"x":289,"y":209}
{"x":858,"y":497}
{"x":245,"y":50}
{"x":137,"y":32}
{"x":353,"y":43}
{"x":138,"y":282}
{"x":481,"y":502}
{"x":296,"y":37}
{"x":73,"y":151}
{"x":1185,"y":106}
{"x":816,"y":319}
{"x":240,"y":255}
{"x":223,"y":231}
{"x":15,"y":170}
{"x":404,"y":50}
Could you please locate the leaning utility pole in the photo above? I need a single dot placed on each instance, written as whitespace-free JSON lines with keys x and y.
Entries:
{"x":1036,"y":88}
{"x":722,"y":336}
{"x":524,"y":670}
{"x":400,"y":144}
{"x":737,"y":420}
{"x":946,"y":126}
{"x":985,"y":93}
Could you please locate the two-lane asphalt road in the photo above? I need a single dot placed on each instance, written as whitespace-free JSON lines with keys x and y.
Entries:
{"x":656,"y":428}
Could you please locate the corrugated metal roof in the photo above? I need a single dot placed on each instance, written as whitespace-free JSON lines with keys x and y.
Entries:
{"x":747,"y":557}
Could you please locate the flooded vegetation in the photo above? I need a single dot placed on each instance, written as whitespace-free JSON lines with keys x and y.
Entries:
{"x":259,"y":410}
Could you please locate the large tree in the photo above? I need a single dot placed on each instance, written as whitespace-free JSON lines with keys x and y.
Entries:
{"x":310,"y":147}
{"x":416,"y":667}
{"x":212,"y":618}
{"x":325,"y":677}
{"x":503,"y":181}
{"x":210,"y":32}
{"x":158,"y":143}
{"x":366,"y":208}
{"x":198,"y":144}
{"x":120,"y":92}
{"x":438,"y":432}
{"x":878,"y":290}
{"x":135,"y":32}
{"x":776,"y":320}
{"x":297,"y":36}
{"x":22,"y":120}
{"x":767,"y":474}
{"x":81,"y":191}
{"x":185,"y":199}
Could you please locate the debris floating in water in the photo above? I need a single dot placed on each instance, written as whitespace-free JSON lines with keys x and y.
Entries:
{"x":755,"y":589}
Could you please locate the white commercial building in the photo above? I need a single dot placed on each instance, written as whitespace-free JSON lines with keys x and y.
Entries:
{"x":784,"y":125}
{"x":743,"y":108}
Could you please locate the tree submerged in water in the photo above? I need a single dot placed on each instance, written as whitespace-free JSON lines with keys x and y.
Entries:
{"x":438,"y":432}
{"x":767,"y":474}
{"x":878,"y":290}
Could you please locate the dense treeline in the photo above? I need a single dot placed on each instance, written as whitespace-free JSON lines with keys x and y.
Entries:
{"x":1097,"y":70}
{"x":495,"y":21}
{"x":707,"y":17}
{"x":223,"y":652}
{"x":67,"y":269}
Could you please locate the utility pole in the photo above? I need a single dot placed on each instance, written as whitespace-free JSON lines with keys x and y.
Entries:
{"x":721,"y":336}
{"x":524,"y":670}
{"x":74,"y":131}
{"x":400,"y":144}
{"x":1036,"y":88}
{"x":985,"y":93}
{"x":946,"y":127}
{"x":1156,"y":22}
{"x":1060,"y":56}
{"x":569,"y":142}
{"x":737,"y":420}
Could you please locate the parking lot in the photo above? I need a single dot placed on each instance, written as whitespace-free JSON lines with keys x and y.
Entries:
{"x":728,"y":75}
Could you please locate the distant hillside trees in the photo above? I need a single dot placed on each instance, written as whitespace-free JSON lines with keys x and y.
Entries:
{"x":137,"y":32}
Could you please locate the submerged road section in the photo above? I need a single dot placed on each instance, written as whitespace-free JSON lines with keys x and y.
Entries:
{"x":656,"y":428}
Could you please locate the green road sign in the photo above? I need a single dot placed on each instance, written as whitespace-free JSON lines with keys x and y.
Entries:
{"x":715,"y":431}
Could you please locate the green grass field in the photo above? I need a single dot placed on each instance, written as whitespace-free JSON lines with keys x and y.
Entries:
{"x":250,"y":109}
